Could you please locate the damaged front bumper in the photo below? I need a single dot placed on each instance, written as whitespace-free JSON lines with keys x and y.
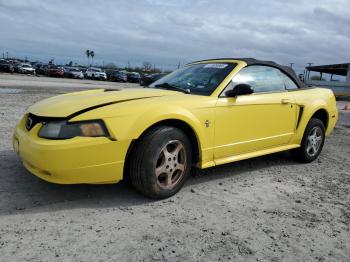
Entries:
{"x":90,"y":160}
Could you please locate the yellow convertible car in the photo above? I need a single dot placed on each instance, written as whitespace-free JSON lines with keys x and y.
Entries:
{"x":205,"y":114}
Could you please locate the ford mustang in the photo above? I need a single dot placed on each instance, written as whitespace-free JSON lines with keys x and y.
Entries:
{"x":205,"y":114}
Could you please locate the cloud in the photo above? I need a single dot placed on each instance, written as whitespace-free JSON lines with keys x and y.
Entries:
{"x":165,"y":32}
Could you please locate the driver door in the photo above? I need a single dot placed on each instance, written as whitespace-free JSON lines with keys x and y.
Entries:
{"x":250,"y":123}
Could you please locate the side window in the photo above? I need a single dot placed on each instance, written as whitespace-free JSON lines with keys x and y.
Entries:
{"x":289,"y":83}
{"x":260,"y":78}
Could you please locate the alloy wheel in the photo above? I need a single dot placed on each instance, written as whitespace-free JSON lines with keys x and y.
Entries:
{"x":314,"y":141}
{"x":171,"y":164}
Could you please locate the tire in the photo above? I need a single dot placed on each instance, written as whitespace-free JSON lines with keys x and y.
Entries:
{"x":312,"y":142}
{"x":155,"y":169}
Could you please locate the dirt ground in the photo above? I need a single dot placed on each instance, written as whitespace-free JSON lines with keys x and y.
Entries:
{"x":264,"y":209}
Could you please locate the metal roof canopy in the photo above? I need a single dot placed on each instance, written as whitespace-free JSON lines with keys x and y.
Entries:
{"x":252,"y":61}
{"x":336,"y":69}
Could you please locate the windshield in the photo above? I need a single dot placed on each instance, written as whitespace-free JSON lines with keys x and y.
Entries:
{"x":200,"y":79}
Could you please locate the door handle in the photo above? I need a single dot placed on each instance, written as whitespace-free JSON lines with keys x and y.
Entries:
{"x":285,"y":101}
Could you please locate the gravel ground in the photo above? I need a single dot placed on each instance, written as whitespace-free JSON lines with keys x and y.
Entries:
{"x":264,"y":209}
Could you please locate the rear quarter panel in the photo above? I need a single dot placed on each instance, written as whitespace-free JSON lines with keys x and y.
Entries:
{"x":311,"y":100}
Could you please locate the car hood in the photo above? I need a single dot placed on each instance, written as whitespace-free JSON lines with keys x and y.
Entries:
{"x":73,"y":104}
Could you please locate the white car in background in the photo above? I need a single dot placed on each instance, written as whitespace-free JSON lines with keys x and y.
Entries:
{"x":95,"y":73}
{"x":73,"y":73}
{"x":25,"y":68}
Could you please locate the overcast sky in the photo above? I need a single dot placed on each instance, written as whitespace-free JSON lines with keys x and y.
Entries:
{"x":165,"y":32}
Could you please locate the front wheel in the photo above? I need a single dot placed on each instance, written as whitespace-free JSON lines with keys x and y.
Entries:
{"x":161,"y":162}
{"x":312,"y":142}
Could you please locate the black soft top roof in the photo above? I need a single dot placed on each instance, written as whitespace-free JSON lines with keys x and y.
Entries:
{"x":252,"y":61}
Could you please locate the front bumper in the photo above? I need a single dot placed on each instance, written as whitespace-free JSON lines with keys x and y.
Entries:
{"x":78,"y":76}
{"x":59,"y":74}
{"x":81,"y":160}
{"x":28,"y":71}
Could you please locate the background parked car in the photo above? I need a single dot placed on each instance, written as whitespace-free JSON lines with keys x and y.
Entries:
{"x":147,"y":79}
{"x":55,"y":71}
{"x":133,"y":77}
{"x":6,"y":67}
{"x":25,"y":68}
{"x":95,"y":73}
{"x":119,"y":76}
{"x":110,"y":72}
{"x":73,"y":73}
{"x":41,"y":69}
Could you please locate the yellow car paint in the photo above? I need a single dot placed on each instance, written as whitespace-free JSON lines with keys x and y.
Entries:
{"x":226,"y":129}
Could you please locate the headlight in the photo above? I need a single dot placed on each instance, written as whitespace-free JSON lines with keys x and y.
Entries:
{"x":66,"y":130}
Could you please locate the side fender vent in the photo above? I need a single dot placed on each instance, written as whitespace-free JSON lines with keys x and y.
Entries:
{"x":300,"y":115}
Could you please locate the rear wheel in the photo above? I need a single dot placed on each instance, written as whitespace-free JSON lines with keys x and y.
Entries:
{"x":160,"y":162}
{"x":312,"y":142}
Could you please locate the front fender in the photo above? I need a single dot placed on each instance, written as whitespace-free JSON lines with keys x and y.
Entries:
{"x":128,"y":121}
{"x":145,"y":121}
{"x":133,"y":126}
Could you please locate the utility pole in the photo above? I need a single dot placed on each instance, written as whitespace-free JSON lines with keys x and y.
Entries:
{"x":305,"y":73}
{"x":7,"y":55}
{"x":308,"y":75}
{"x":291,"y":65}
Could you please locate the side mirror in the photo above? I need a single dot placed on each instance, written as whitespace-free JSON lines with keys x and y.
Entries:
{"x":240,"y":89}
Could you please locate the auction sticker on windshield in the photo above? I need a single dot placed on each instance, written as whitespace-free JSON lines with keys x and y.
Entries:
{"x":221,"y":66}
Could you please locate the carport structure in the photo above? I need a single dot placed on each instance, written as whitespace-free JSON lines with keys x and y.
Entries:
{"x":336,"y":69}
{"x":338,"y":87}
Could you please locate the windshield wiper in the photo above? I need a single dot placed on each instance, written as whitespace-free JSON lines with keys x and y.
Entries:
{"x":172,"y":87}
